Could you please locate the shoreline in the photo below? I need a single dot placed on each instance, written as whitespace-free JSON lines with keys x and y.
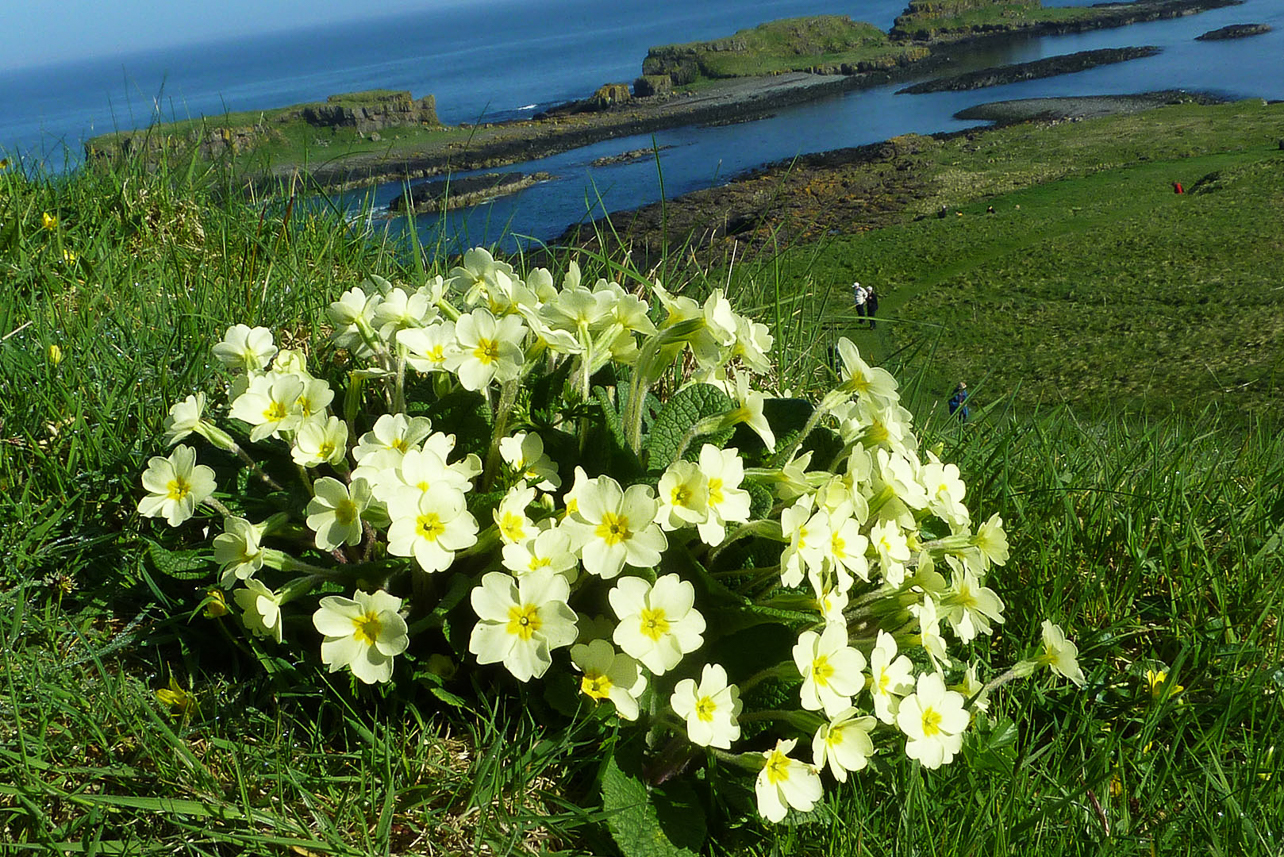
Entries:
{"x":719,"y":102}
{"x":835,"y":192}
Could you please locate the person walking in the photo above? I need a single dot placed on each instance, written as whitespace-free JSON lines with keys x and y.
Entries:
{"x":860,"y":297}
{"x":958,"y":403}
{"x":871,"y":306}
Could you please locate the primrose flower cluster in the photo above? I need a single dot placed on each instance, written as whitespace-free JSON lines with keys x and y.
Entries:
{"x":597,"y":487}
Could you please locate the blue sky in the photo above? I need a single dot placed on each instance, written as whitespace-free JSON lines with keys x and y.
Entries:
{"x":37,"y":33}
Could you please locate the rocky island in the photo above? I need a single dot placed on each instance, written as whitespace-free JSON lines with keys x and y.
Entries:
{"x":365,"y":138}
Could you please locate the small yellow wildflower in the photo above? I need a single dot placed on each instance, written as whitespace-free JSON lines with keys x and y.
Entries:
{"x":1157,"y":681}
{"x":69,"y":257}
{"x":48,"y":221}
{"x":180,"y":702}
{"x":215,"y":603}
{"x":54,"y":354}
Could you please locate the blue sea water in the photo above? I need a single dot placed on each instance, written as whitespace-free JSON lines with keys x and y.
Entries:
{"x":498,"y":59}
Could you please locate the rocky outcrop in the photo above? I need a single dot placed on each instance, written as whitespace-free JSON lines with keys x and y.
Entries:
{"x":446,"y":194}
{"x":1234,"y":31}
{"x":371,"y":111}
{"x":925,"y":19}
{"x":367,"y":112}
{"x":1049,"y":67}
{"x":1014,"y":18}
{"x":649,"y":85}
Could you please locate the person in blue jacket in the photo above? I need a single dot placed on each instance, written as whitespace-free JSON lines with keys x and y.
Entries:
{"x":958,"y":402}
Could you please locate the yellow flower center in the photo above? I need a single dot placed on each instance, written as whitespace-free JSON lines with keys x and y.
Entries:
{"x":838,"y":546}
{"x":487,"y":351}
{"x":367,"y":627}
{"x":345,"y":512}
{"x":511,"y":526}
{"x":429,"y":526}
{"x":822,"y":670}
{"x":523,"y":621}
{"x":399,"y":444}
{"x":654,"y":623}
{"x":705,"y":707}
{"x":931,"y":722}
{"x":613,"y":529}
{"x":538,"y":562}
{"x":777,"y":767}
{"x":680,"y":496}
{"x":834,"y":738}
{"x":326,"y":449}
{"x":177,"y":488}
{"x":715,"y":492}
{"x":275,"y":412}
{"x":596,"y":686}
{"x":436,"y":354}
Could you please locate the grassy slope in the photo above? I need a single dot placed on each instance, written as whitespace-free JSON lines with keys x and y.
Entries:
{"x":1092,"y":282}
{"x":1156,"y":545}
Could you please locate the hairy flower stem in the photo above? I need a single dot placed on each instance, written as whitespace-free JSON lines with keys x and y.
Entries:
{"x":503,"y":413}
{"x":779,"y":671}
{"x":254,"y":466}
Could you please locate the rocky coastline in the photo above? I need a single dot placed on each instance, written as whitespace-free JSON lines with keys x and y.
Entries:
{"x":447,"y":194}
{"x":1047,"y":67}
{"x":612,"y":113}
{"x":1234,"y":31}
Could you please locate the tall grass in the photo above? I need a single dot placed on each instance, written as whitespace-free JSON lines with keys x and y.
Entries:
{"x":1157,"y":544}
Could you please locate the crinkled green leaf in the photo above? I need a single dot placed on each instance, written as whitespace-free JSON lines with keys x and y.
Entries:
{"x":685,"y":408}
{"x":180,"y":565}
{"x":648,"y":821}
{"x":469,"y":419}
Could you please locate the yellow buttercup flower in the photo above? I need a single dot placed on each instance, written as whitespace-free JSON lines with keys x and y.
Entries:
{"x":180,"y":702}
{"x":69,"y":257}
{"x":55,"y":354}
{"x":48,"y":221}
{"x":1157,"y":680}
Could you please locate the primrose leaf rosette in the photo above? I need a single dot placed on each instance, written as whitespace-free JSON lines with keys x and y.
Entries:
{"x":466,"y":472}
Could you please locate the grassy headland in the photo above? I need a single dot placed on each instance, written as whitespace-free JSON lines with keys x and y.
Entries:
{"x":1155,"y":542}
{"x":1091,"y":282}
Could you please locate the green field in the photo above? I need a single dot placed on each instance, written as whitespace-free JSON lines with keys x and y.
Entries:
{"x":1142,"y":520}
{"x":1091,"y":283}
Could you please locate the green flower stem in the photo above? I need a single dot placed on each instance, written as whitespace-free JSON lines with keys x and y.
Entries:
{"x":765,"y":528}
{"x":751,"y":762}
{"x":448,"y":310}
{"x":218,"y":506}
{"x":647,"y":372}
{"x":503,"y":413}
{"x":781,"y":670}
{"x":254,"y":466}
{"x":699,"y":427}
{"x":399,"y":389}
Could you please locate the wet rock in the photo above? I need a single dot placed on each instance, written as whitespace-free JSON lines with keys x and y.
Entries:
{"x":1234,"y":31}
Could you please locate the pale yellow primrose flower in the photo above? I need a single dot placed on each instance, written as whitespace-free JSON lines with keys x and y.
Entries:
{"x":612,"y":528}
{"x":970,"y":607}
{"x":550,"y":549}
{"x":393,"y":432}
{"x":710,"y":710}
{"x":1060,"y":654}
{"x":521,"y":621}
{"x":871,"y":383}
{"x":684,"y":496}
{"x":726,"y":501}
{"x":524,"y":452}
{"x":238,"y":551}
{"x":658,"y":624}
{"x":317,"y":442}
{"x":609,"y":674}
{"x":363,"y":633}
{"x":427,"y":348}
{"x":784,"y":782}
{"x":831,"y":669}
{"x":844,"y":743}
{"x":809,"y":539}
{"x":246,"y":348}
{"x":432,"y":529}
{"x":890,"y":677}
{"x":176,"y":486}
{"x":334,"y":514}
{"x":488,"y":350}
{"x":933,"y":720}
{"x":510,"y":515}
{"x":261,"y":609}
{"x":269,"y":405}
